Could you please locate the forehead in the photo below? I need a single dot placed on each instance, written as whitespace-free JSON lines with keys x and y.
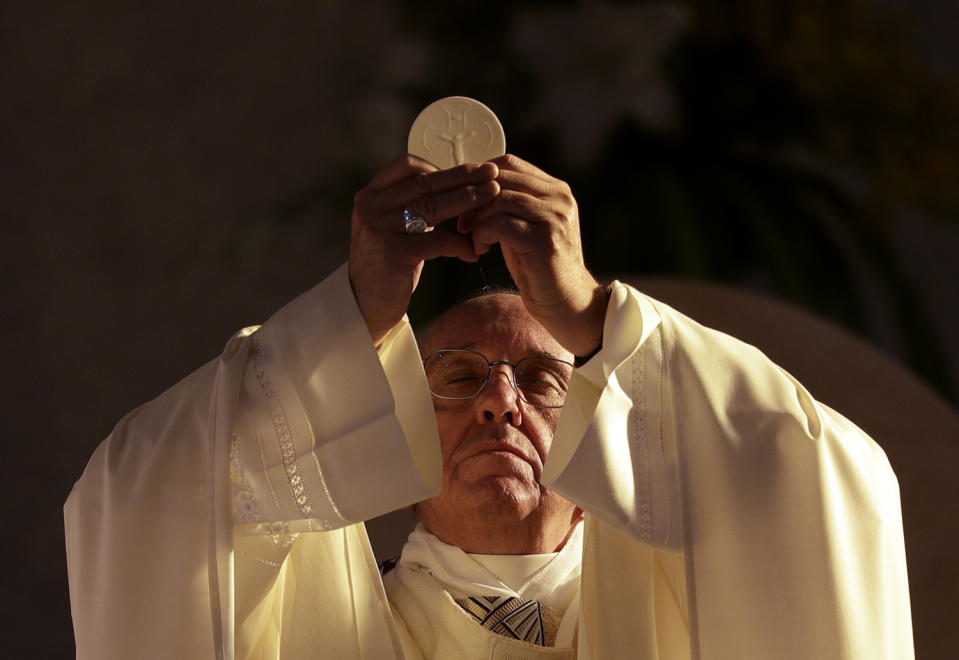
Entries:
{"x":497,"y":323}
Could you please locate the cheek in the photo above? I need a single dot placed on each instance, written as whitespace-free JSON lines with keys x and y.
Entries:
{"x":541,"y":432}
{"x":452,"y":426}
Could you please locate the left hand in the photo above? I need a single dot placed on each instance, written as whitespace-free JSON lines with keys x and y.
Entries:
{"x":535,"y":220}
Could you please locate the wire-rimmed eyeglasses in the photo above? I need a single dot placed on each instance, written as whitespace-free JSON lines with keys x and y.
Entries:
{"x":457,"y":373}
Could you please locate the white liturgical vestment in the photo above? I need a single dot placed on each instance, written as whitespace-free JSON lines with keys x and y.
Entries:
{"x":729,"y":516}
{"x":447,"y":574}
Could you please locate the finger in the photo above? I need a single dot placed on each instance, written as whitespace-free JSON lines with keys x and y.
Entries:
{"x":516,"y":204}
{"x":514,"y":163}
{"x":554,"y":193}
{"x":430,"y":245}
{"x":522,"y":181}
{"x":400,"y":168}
{"x":465,"y":221}
{"x":426,"y":184}
{"x":505,"y":229}
{"x":437,"y":208}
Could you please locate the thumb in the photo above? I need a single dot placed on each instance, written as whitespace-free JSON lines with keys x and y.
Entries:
{"x":442,"y":243}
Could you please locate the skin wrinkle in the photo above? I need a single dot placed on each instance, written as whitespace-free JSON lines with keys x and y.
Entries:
{"x":494,"y":446}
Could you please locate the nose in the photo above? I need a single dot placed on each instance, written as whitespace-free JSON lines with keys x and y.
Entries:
{"x":499,"y":400}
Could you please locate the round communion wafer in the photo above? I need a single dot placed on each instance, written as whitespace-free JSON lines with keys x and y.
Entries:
{"x":456,"y":130}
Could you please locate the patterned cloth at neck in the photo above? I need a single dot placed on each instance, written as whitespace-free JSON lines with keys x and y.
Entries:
{"x":526,"y":620}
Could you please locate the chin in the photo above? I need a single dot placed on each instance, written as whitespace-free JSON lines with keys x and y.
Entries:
{"x":503,"y":497}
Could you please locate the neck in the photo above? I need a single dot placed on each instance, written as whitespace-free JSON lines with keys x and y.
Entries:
{"x":486,"y":535}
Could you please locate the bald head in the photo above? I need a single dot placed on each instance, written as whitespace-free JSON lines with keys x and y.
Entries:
{"x":497,"y":311}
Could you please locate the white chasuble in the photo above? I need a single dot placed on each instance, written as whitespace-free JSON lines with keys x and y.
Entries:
{"x":432,"y":625}
{"x":729,"y":516}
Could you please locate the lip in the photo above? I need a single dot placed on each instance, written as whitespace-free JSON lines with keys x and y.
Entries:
{"x":495,"y":445}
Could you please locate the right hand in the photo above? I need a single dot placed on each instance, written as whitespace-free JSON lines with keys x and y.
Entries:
{"x":386,"y":262}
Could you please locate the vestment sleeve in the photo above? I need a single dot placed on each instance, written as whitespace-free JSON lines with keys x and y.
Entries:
{"x":137,"y":533}
{"x":296,"y":427}
{"x":786,"y":513}
{"x":331,"y":431}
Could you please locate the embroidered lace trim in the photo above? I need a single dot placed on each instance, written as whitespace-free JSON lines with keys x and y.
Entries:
{"x":283,"y":434}
{"x":245,"y":509}
{"x":640,"y":434}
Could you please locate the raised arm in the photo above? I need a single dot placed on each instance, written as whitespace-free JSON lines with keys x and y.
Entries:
{"x":185,"y":514}
{"x":311,"y":422}
{"x":688,"y":440}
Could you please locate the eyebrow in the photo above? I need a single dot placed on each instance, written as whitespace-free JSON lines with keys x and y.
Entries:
{"x":531,"y":351}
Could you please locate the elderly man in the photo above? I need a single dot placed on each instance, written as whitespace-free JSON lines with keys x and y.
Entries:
{"x":594,"y":475}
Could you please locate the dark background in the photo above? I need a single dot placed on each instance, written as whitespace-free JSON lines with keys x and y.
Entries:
{"x":173,"y":171}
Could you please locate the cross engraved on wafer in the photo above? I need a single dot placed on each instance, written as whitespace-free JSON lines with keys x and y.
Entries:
{"x":456,"y":130}
{"x":456,"y":135}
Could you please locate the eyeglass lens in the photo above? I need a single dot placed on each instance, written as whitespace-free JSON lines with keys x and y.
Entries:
{"x":462,"y":374}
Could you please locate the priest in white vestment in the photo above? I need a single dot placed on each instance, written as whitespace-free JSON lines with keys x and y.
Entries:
{"x":669,"y":493}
